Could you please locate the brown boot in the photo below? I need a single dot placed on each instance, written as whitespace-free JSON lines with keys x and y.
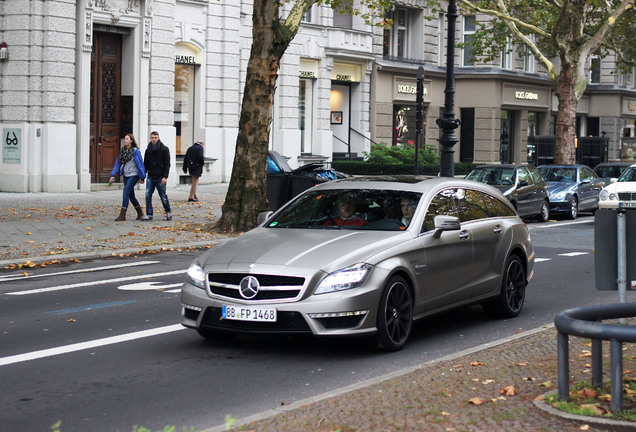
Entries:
{"x":122,"y":215}
{"x":140,"y":213}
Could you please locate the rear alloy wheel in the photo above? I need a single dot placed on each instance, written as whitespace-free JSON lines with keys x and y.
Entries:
{"x":574,"y":208}
{"x":513,"y":291}
{"x":395,"y":315}
{"x":544,"y":216}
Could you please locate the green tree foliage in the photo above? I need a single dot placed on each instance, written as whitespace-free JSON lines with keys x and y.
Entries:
{"x":561,"y":35}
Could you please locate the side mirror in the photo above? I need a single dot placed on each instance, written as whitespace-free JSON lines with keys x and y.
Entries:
{"x":445,"y":223}
{"x":586,"y":181}
{"x":263,"y":216}
{"x":613,"y":180}
{"x":523,"y":183}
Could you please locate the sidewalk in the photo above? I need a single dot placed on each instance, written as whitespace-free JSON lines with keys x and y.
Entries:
{"x":458,"y":393}
{"x":44,"y":227}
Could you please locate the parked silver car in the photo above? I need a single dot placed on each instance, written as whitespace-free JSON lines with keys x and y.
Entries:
{"x":364,"y":257}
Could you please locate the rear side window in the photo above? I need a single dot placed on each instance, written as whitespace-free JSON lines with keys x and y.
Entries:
{"x":524,"y":175}
{"x":465,"y":204}
{"x":496,"y":208}
{"x":536,"y":176}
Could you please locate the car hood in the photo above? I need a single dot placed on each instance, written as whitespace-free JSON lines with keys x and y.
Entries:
{"x":621,"y":187}
{"x":554,"y":187}
{"x":324,"y":249}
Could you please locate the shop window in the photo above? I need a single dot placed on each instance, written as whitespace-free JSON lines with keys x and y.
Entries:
{"x":595,"y":70}
{"x":467,"y":135}
{"x":396,"y":36}
{"x":507,"y":137}
{"x":305,"y":114}
{"x":533,"y":130}
{"x":404,"y":120}
{"x":468,"y":36}
{"x":629,"y":129}
{"x":184,"y":106}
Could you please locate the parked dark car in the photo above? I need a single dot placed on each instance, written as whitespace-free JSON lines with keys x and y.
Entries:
{"x":523,"y":185}
{"x":609,"y":170}
{"x":572,"y":188}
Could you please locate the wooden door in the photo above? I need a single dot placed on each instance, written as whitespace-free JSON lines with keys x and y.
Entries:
{"x":105,"y":105}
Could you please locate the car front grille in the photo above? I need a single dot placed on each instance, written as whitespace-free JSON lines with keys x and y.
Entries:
{"x":627,"y":196}
{"x":287,"y":322}
{"x":272,"y":287}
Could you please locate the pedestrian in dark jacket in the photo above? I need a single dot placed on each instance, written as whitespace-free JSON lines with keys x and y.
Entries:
{"x":157,"y":163}
{"x":131,"y":166}
{"x":193,"y":162}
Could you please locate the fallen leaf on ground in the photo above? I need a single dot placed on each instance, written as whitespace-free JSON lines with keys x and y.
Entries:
{"x":475,"y":401}
{"x":508,"y":391}
{"x":476,"y":363}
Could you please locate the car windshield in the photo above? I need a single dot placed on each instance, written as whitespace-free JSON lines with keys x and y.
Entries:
{"x":629,"y":175}
{"x":559,"y":174}
{"x":360,"y":209}
{"x":609,"y":171}
{"x":493,"y":176}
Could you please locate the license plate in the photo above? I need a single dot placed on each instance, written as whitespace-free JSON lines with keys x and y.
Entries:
{"x":628,"y":204}
{"x":248,"y":313}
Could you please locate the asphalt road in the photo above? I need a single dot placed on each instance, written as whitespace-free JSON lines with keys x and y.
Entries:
{"x":102,"y":350}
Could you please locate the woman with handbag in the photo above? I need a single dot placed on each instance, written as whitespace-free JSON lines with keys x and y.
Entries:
{"x":131,"y":165}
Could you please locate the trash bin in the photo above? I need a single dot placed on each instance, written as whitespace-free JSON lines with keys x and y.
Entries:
{"x":283,"y":183}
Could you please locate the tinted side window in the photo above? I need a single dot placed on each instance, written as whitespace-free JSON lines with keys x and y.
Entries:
{"x":587,"y":173}
{"x":471,"y":205}
{"x":442,"y":204}
{"x":496,"y":208}
{"x":536,"y":176}
{"x":524,"y":175}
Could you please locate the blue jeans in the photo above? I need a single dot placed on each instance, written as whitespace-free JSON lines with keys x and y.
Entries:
{"x":151,"y":184}
{"x":129,"y":192}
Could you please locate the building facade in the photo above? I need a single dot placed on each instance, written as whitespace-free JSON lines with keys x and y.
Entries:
{"x":506,"y":107}
{"x":78,"y":75}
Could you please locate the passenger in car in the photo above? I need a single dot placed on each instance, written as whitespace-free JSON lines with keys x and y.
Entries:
{"x":348,"y":215}
{"x":407,"y":205}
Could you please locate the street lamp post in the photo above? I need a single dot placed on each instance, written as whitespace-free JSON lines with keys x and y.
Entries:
{"x":448,"y":123}
{"x":419,"y":113}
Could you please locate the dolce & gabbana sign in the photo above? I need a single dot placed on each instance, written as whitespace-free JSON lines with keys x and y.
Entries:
{"x":526,"y":95}
{"x":410,"y":89}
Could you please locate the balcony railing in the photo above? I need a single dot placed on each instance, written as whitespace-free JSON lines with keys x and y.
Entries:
{"x":350,"y":40}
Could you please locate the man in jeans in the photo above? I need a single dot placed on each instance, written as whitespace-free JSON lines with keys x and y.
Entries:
{"x":157,"y":163}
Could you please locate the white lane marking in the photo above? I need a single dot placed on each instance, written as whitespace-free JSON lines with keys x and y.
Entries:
{"x":100,"y":282}
{"x":141,"y":286}
{"x":92,"y":269}
{"x":542,"y":259}
{"x":90,"y":344}
{"x":573,"y":254}
{"x":559,"y":224}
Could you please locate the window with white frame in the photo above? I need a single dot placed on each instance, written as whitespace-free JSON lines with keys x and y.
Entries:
{"x":468,"y":36}
{"x":396,"y":36}
{"x":506,"y":55}
{"x":528,"y":61}
{"x":595,"y":70}
{"x":308,"y":16}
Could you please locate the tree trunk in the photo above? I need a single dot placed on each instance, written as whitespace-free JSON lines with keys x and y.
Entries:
{"x":247,"y":192}
{"x":565,"y":137}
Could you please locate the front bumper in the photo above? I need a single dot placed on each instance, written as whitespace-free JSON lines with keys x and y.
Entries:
{"x":348,"y":312}
{"x":560,"y":206}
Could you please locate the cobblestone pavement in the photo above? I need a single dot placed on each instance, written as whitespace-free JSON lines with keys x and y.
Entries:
{"x":492,"y":389}
{"x":463,"y":393}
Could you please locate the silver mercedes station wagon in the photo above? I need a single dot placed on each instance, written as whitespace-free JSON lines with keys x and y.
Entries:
{"x":364,"y":257}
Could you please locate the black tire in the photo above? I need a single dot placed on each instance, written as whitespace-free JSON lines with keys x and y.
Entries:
{"x":513,"y":291}
{"x":544,"y":216}
{"x":574,"y":208}
{"x":395,"y":315}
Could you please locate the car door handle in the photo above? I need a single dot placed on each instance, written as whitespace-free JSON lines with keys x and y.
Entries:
{"x":497,"y":229}
{"x":464,"y":235}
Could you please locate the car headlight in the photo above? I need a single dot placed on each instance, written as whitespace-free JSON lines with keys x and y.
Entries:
{"x":346,"y":278}
{"x":559,"y":195}
{"x":604,"y":195}
{"x":196,"y":275}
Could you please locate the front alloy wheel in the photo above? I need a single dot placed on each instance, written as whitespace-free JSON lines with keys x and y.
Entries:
{"x":544,"y":216}
{"x":513,"y":291}
{"x":395,"y":315}
{"x":574,"y":208}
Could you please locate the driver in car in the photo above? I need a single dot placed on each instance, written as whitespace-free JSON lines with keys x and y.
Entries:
{"x":348,"y":215}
